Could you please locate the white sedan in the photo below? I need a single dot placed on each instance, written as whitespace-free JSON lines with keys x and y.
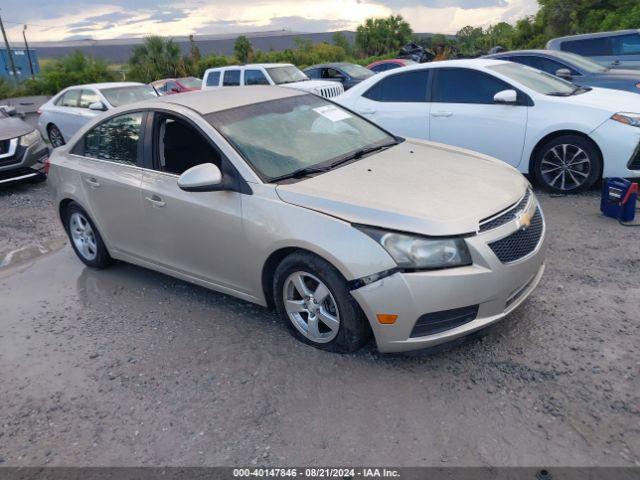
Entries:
{"x":566,"y":136}
{"x":65,"y":113}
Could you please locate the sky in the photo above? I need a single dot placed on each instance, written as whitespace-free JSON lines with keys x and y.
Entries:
{"x":102,"y":19}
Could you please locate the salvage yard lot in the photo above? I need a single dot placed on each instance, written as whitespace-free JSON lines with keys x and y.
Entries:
{"x":130,"y":367}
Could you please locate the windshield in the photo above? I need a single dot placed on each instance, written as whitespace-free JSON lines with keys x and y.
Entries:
{"x":536,"y":80}
{"x":280,"y":137}
{"x":190,"y":82}
{"x":122,"y":95}
{"x":356,"y":71}
{"x":579,"y":61}
{"x":286,"y":74}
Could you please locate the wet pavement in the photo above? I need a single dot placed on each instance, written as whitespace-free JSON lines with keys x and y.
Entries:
{"x":128,"y":366}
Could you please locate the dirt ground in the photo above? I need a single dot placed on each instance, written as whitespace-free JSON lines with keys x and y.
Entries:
{"x":130,"y":367}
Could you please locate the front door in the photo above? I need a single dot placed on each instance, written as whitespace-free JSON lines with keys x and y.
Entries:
{"x":464,"y":114}
{"x":198,"y":234}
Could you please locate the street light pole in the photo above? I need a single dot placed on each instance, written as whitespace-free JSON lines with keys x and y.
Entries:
{"x":24,"y":35}
{"x":6,"y":42}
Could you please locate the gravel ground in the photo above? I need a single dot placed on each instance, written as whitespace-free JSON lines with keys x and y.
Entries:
{"x":130,"y":367}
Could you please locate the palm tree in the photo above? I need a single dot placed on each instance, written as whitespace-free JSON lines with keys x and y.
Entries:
{"x":156,"y":58}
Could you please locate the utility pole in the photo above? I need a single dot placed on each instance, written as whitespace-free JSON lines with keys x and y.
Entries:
{"x":24,"y":35}
{"x":6,"y":42}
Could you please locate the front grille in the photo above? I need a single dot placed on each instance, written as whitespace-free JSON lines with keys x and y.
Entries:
{"x":4,"y":146}
{"x":8,"y":150}
{"x":634,"y":163}
{"x":521,"y":243}
{"x":506,"y":216}
{"x":436,"y":322}
{"x":330,"y":92}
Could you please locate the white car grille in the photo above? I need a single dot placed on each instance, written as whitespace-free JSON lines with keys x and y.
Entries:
{"x":330,"y":92}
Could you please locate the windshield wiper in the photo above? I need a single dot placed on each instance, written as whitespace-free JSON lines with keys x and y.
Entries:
{"x":364,"y":151}
{"x":301,"y":172}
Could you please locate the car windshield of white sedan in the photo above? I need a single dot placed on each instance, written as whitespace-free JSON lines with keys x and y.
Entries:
{"x":536,"y":80}
{"x":290,"y":135}
{"x":119,"y":96}
{"x":290,"y":74}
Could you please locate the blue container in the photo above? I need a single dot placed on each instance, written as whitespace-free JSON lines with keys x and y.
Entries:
{"x":619,"y":197}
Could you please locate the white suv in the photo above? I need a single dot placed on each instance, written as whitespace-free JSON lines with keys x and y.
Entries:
{"x":283,"y":74}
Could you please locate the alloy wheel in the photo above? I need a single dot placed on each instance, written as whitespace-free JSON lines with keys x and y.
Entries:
{"x":311,"y":307}
{"x":565,"y":167}
{"x":83,"y":236}
{"x":55,"y":137}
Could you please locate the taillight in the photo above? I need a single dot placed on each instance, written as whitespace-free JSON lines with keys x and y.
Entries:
{"x":39,"y":112}
{"x":47,"y":164}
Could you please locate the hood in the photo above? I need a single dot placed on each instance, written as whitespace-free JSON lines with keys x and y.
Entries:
{"x":13,"y":127}
{"x":615,"y":74}
{"x":420,"y":187}
{"x":606,"y":99}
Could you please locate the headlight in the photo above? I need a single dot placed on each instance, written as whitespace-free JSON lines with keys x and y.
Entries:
{"x":416,"y":252}
{"x":29,"y":139}
{"x":632,"y":119}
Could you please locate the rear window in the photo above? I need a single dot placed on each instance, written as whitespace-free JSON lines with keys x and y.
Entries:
{"x":626,"y":44}
{"x":123,"y":95}
{"x":213,"y":79}
{"x":402,"y":87}
{"x":231,"y":78}
{"x":69,"y":99}
{"x":589,"y":47}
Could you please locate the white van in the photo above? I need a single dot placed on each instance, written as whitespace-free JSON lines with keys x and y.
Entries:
{"x":283,"y":74}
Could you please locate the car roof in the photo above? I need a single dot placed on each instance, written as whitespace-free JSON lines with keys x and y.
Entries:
{"x":468,"y":62}
{"x":254,"y":65}
{"x":218,"y":99}
{"x":330,"y":64}
{"x":584,"y":36}
{"x":107,"y":85}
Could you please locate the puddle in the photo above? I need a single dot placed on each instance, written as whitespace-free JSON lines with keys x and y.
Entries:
{"x":30,"y":252}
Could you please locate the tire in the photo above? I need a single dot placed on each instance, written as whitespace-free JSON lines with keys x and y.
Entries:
{"x":347,"y":330}
{"x":85,"y":238}
{"x":55,"y":136}
{"x":567,"y":164}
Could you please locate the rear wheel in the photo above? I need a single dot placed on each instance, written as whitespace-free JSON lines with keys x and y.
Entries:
{"x":85,"y":238}
{"x":55,"y":136}
{"x":567,"y":164}
{"x":313,"y":300}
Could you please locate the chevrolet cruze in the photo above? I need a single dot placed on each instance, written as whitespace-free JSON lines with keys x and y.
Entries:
{"x":282,"y":198}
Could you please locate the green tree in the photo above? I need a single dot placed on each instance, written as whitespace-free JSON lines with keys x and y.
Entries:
{"x":379,"y":36}
{"x":339,"y":39}
{"x":156,"y":58}
{"x":243,"y":50}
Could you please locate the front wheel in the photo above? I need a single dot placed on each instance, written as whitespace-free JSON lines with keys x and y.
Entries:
{"x":313,"y":300}
{"x":567,"y":164}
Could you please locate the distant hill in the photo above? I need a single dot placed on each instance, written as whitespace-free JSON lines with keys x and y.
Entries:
{"x":118,"y":50}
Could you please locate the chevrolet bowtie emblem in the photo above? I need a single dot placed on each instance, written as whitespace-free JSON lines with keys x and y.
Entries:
{"x":525,"y":220}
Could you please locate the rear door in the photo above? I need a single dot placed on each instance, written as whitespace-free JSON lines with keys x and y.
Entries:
{"x":68,"y":116}
{"x":231,"y":77}
{"x":398,"y":103}
{"x":110,"y":175}
{"x":463,"y":114}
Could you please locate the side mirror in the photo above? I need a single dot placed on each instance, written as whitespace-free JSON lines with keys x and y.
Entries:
{"x":564,"y":73}
{"x":205,"y":177}
{"x":509,"y":97}
{"x":99,"y":106}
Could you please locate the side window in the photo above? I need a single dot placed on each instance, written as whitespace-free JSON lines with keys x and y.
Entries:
{"x":463,"y":85}
{"x":171,"y":86}
{"x":626,"y":44}
{"x":314,"y":73}
{"x":589,"y":47}
{"x":528,"y":61}
{"x":552,"y":66}
{"x":255,"y":77}
{"x":213,"y":79}
{"x":116,"y":140}
{"x":69,"y":99}
{"x":231,"y":78}
{"x":402,"y":87}
{"x":180,"y":146}
{"x":87,"y":97}
{"x":331,"y":73}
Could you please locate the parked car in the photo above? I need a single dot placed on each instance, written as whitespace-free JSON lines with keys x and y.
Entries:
{"x":283,"y":74}
{"x":619,"y":49}
{"x":23,"y":153}
{"x":169,"y":86}
{"x":65,"y":113}
{"x":384,"y":65}
{"x":284,"y":199}
{"x":575,"y":68}
{"x":348,"y":74}
{"x":566,"y":136}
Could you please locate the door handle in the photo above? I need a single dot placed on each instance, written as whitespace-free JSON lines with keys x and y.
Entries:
{"x":441,"y":113}
{"x":92,"y":182}
{"x":156,"y":201}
